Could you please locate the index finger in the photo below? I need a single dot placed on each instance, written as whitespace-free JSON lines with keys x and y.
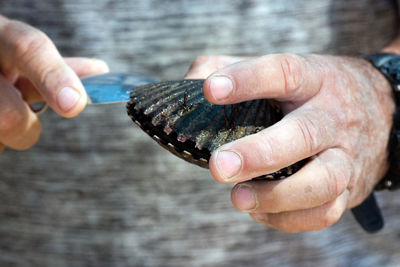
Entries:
{"x":299,"y":135}
{"x":28,"y":51}
{"x":282,"y":76}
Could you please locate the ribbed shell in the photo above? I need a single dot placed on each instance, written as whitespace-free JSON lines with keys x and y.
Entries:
{"x":178,"y":117}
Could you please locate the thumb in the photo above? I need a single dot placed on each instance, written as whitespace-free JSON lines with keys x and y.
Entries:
{"x":30,"y":53}
{"x":81,"y":66}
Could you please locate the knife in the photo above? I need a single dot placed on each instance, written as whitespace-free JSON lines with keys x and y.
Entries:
{"x":105,"y":89}
{"x":112,"y":87}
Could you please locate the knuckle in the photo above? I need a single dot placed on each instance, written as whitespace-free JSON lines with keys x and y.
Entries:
{"x":292,"y":71}
{"x":267,"y":148}
{"x":48,"y":70}
{"x":26,"y":41}
{"x":336,"y":181}
{"x":310,"y":132}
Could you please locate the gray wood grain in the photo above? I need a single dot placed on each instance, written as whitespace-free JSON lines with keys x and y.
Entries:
{"x":96,"y":191}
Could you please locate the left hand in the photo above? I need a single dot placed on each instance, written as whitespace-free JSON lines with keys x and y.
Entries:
{"x":338,"y":111}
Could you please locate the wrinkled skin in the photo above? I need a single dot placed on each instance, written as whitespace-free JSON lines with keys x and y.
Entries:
{"x":32,"y":70}
{"x":338,"y":111}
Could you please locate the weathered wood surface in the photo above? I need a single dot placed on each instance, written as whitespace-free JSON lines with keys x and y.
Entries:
{"x":96,"y":191}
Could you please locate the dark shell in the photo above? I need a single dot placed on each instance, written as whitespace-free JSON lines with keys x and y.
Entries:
{"x":178,"y":117}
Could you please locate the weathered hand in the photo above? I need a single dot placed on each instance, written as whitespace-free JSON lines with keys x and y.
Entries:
{"x":32,"y":70}
{"x":338,"y":113}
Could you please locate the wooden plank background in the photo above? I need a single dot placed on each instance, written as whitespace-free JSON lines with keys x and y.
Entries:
{"x":96,"y":191}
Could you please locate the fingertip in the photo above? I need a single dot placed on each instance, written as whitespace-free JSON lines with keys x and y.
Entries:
{"x":99,"y":66}
{"x":213,"y":168}
{"x":87,"y":66}
{"x":29,"y":133}
{"x":218,"y":88}
{"x":226,"y":165}
{"x":194,"y":75}
{"x":71,"y":101}
{"x":64,"y":92}
{"x":244,"y":197}
{"x":35,"y":130}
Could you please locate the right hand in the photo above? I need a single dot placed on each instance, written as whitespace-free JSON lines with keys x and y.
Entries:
{"x":32,"y":70}
{"x":338,"y":114}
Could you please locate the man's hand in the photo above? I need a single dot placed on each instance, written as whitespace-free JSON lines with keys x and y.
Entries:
{"x":338,"y":113}
{"x":32,"y":70}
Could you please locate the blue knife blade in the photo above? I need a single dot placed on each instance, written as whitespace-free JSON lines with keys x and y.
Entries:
{"x":112,"y":87}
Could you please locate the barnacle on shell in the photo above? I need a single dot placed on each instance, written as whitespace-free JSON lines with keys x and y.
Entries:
{"x":179,"y":118}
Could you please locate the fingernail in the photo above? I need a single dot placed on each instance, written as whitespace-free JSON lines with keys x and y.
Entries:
{"x":229,"y":164}
{"x":245,"y":198}
{"x":221,"y":87}
{"x":67,"y":98}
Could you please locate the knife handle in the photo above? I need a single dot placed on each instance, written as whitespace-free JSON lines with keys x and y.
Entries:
{"x":368,"y":215}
